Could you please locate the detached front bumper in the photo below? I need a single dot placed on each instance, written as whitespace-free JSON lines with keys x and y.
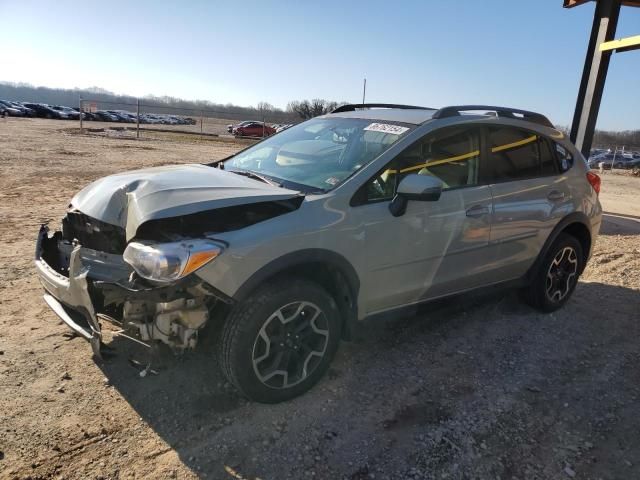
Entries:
{"x":68,"y":296}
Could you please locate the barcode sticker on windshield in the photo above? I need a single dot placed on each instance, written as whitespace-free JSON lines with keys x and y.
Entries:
{"x":386,"y":128}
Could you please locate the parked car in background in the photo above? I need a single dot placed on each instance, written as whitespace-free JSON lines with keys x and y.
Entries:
{"x":68,"y":112}
{"x":232,"y":128}
{"x":254,"y":129}
{"x":23,"y":111}
{"x":8,"y":109}
{"x":28,"y":112}
{"x":606,"y":160}
{"x":596,"y":157}
{"x":627,"y":161}
{"x":122,"y":116}
{"x":46,"y":111}
{"x":614,"y":160}
{"x":89,"y":116}
{"x":104,"y":116}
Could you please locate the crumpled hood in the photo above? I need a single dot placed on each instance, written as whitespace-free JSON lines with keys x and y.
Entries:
{"x":130,"y":199}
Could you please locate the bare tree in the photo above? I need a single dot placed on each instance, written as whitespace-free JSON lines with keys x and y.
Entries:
{"x":306,"y":109}
{"x":265,"y":107}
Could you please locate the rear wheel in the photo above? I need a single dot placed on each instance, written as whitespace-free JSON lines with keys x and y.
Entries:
{"x":279,"y":342}
{"x":557,"y":275}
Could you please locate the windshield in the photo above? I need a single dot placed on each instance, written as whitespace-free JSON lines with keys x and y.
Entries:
{"x":320,"y":153}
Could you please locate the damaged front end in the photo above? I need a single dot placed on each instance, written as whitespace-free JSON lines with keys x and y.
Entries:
{"x":84,"y":286}
{"x":130,"y":243}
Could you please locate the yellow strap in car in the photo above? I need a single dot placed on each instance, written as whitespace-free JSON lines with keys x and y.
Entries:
{"x":475,"y":153}
{"x":530,"y":139}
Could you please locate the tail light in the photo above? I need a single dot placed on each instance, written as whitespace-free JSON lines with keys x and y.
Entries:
{"x":594,"y":180}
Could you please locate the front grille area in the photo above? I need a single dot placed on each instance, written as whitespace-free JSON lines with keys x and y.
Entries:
{"x":93,"y":234}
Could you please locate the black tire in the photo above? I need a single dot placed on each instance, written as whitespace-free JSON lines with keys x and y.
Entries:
{"x":244,"y":351}
{"x":556,"y":275}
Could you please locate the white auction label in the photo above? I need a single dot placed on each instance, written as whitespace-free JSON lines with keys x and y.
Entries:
{"x":386,"y":128}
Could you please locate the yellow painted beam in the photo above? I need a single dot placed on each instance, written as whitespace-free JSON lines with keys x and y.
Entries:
{"x":623,"y":43}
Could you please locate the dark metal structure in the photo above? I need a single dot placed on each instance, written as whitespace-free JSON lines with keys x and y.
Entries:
{"x":601,"y":45}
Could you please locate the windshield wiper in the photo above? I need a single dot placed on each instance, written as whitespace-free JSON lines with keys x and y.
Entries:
{"x":256,"y":176}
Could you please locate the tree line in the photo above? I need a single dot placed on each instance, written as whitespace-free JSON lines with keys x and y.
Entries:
{"x":630,"y":139}
{"x":295,"y":111}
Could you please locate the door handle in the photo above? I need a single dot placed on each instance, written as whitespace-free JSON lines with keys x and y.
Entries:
{"x":477,"y":211}
{"x":555,"y":196}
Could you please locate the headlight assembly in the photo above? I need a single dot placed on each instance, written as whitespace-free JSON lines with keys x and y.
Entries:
{"x":167,"y":262}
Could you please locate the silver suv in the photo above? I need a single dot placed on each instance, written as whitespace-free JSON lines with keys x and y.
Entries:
{"x":297,"y":240}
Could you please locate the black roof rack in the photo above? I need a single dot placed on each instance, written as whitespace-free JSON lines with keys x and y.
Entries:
{"x":355,"y":106}
{"x":504,"y":112}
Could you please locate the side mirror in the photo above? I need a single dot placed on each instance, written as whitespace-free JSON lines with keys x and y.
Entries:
{"x":424,"y":188}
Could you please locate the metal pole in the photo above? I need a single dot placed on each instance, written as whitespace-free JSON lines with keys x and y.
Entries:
{"x":596,"y":65}
{"x":201,"y":120}
{"x":137,"y":118}
{"x":364,"y":90}
{"x":263,"y":124}
{"x":81,"y":114}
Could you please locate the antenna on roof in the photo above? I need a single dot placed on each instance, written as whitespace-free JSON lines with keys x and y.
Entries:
{"x":364,"y":90}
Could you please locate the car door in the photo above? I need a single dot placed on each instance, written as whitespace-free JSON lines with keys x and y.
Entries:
{"x":435,"y":247}
{"x":530,"y":195}
{"x":254,"y":130}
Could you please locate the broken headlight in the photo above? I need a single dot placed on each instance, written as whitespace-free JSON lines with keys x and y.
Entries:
{"x":167,"y":262}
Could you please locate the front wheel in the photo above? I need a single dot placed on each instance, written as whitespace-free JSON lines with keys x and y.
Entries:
{"x":557,"y":275}
{"x":279,"y":342}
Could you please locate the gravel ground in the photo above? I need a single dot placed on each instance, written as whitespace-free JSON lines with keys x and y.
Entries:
{"x":478,"y":387}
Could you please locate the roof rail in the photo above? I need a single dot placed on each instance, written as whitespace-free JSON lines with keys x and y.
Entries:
{"x":355,"y":106}
{"x":504,"y":112}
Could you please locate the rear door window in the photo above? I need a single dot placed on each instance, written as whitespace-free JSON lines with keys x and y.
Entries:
{"x":548,"y":158}
{"x":516,"y":154}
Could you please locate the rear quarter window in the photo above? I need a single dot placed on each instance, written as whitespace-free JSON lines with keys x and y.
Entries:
{"x":564,"y":158}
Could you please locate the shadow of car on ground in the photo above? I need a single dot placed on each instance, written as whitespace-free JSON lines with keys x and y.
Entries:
{"x":478,"y":383}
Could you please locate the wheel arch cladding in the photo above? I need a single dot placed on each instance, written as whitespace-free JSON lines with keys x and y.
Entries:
{"x":576,"y":224}
{"x":328,"y":269}
{"x":580,"y":231}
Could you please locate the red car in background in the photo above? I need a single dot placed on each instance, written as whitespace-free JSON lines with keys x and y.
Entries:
{"x":254,"y":129}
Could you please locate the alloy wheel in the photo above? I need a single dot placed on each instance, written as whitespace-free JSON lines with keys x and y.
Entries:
{"x":290,"y":345}
{"x":562,"y":274}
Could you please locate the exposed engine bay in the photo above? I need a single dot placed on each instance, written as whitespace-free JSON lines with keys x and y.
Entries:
{"x":172,"y":314}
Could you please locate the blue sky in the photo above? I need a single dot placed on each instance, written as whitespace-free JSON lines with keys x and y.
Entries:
{"x":525,"y":53}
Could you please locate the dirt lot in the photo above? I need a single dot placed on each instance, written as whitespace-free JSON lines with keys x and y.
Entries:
{"x":480,"y":387}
